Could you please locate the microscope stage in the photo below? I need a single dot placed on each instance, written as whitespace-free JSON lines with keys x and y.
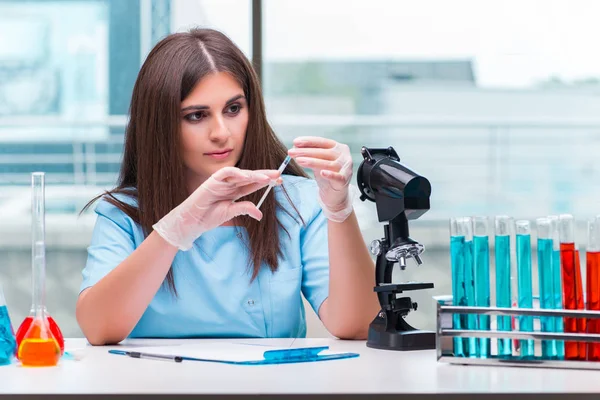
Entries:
{"x":401,"y":287}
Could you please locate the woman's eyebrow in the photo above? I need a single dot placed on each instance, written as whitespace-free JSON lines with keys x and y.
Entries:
{"x":199,"y":107}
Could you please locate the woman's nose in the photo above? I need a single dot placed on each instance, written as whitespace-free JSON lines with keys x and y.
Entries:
{"x":219,"y":131}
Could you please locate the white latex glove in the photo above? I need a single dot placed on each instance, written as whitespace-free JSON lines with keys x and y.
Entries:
{"x":212,"y":204}
{"x":332,"y":165}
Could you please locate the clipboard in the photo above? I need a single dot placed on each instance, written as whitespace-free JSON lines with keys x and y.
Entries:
{"x":236,"y":353}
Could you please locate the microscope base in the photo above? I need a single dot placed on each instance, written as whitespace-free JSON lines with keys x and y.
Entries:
{"x":401,"y":341}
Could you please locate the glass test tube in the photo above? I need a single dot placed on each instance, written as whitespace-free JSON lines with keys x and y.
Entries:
{"x":546,"y":282}
{"x":481,"y":256}
{"x":572,"y":285}
{"x":461,"y":243}
{"x":525,"y":284}
{"x":557,"y":284}
{"x":503,"y":229}
{"x":593,"y":284}
{"x":459,"y":296}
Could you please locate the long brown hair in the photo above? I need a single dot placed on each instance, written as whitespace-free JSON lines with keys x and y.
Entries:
{"x":152,"y":170}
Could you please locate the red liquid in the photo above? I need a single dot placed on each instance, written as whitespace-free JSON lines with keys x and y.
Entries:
{"x":572,"y":299}
{"x":593,"y":301}
{"x":53,"y":328}
{"x":581,"y":322}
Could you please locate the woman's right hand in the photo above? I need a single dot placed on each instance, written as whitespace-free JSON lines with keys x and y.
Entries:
{"x":214,"y":203}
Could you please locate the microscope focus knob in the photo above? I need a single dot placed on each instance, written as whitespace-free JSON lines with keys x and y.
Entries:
{"x":375,"y":247}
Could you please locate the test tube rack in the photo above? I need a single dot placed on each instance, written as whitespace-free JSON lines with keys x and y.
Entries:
{"x":445,"y":334}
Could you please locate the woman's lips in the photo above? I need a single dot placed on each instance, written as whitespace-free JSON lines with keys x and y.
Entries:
{"x":219,"y":155}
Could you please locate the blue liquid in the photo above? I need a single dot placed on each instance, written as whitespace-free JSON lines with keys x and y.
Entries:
{"x":557,"y":283}
{"x":473,"y":342}
{"x":525,"y":291}
{"x":502,"y":257}
{"x":546,"y":282}
{"x":8,"y":343}
{"x":482,"y":288}
{"x":459,"y":294}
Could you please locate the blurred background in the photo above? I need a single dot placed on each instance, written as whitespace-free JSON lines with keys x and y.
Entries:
{"x":496,"y":102}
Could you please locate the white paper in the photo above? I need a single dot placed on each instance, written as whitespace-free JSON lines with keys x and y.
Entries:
{"x":218,"y":350}
{"x":222,"y":351}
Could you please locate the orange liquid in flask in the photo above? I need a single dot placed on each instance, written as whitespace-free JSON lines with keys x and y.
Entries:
{"x":39,"y":348}
{"x":54,"y":329}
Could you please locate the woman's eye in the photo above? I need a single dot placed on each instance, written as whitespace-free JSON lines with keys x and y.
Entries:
{"x":195,"y":117}
{"x":234,"y":109}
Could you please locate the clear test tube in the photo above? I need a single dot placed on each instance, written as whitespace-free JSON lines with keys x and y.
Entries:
{"x":502,"y":243}
{"x":481,"y":260}
{"x":593,"y":284}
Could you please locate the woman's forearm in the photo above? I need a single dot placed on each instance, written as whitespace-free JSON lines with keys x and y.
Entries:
{"x":108,"y":311}
{"x":352,"y":304}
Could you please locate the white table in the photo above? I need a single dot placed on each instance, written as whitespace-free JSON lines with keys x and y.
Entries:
{"x":374,"y":372}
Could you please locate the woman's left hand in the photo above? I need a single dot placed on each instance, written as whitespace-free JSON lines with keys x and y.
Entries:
{"x":332,"y":165}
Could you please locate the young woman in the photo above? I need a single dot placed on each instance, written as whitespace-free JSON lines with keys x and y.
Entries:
{"x":181,"y":250}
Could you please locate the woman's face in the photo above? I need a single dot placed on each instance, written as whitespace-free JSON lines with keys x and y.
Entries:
{"x":214,"y":118}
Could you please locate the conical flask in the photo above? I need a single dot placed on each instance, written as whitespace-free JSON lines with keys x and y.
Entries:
{"x":8,"y":344}
{"x":39,"y":340}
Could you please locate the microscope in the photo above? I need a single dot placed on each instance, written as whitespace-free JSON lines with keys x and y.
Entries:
{"x":400,"y":195}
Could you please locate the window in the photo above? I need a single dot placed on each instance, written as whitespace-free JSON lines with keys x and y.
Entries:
{"x":495,"y":102}
{"x":64,"y":97}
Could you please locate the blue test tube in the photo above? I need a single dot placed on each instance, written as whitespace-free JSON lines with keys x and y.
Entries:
{"x":546,"y":282}
{"x":463,"y":282}
{"x":503,"y":229}
{"x":557,"y":283}
{"x":459,"y":296}
{"x":467,"y":223}
{"x":481,"y":258}
{"x":525,"y":284}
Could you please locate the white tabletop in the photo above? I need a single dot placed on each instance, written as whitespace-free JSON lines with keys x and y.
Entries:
{"x":374,"y":371}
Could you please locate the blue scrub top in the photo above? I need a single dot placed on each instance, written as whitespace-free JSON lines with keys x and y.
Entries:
{"x":216,"y":297}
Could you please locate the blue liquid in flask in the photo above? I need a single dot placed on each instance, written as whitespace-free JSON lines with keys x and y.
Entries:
{"x":8,"y":344}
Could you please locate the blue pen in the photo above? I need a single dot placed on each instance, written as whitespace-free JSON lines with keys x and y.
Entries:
{"x":136,"y":354}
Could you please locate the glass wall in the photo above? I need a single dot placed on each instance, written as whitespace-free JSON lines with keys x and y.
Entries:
{"x":65,"y":88}
{"x":495,"y":102}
